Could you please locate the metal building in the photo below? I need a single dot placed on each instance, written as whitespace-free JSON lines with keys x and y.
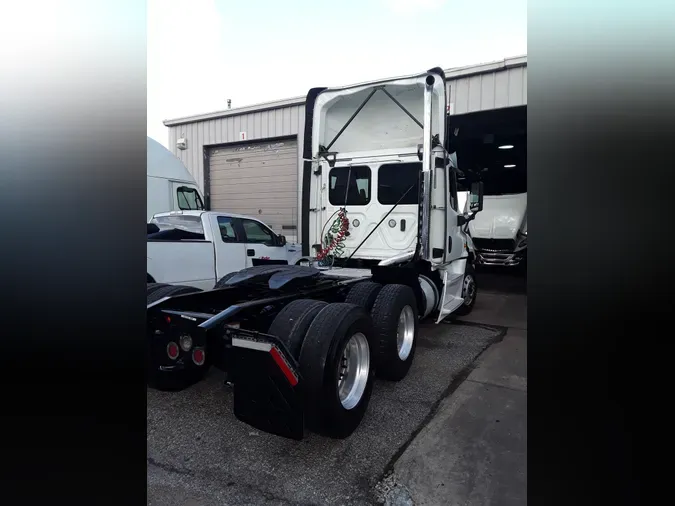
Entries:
{"x":247,"y":160}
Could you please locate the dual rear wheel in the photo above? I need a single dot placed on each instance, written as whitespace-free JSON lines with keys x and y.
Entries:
{"x":340,"y":347}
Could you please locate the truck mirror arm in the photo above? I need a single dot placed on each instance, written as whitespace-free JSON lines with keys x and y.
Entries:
{"x":465,"y":218}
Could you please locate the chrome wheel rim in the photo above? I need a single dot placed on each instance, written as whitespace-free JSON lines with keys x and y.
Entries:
{"x":469,"y":289}
{"x":405,"y":333}
{"x":353,"y":371}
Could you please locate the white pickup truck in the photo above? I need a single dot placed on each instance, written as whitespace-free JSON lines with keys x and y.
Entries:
{"x":197,"y":248}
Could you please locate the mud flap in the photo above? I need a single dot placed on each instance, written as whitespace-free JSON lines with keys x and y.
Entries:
{"x":452,"y":293}
{"x":267,"y":387}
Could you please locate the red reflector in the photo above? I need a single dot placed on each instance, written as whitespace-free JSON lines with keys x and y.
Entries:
{"x":198,"y":356}
{"x":168,"y":319}
{"x":172,"y":350}
{"x":290,"y":375}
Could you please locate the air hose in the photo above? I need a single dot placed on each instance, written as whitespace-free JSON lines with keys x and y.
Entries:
{"x":334,"y":239}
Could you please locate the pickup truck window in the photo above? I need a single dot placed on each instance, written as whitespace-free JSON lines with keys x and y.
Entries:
{"x":357,"y":193}
{"x":181,"y":222}
{"x":226,"y":227}
{"x":189,"y":199}
{"x":393,"y":179}
{"x":256,"y":232}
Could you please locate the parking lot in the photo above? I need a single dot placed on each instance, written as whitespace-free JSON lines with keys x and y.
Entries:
{"x":200,"y":454}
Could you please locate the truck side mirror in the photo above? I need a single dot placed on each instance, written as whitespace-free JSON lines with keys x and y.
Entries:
{"x":476,"y":197}
{"x":282,"y":240}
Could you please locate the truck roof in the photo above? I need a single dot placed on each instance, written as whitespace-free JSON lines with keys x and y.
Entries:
{"x":163,"y":163}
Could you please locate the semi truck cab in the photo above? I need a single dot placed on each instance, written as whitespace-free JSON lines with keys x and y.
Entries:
{"x":170,"y":186}
{"x":380,"y":188}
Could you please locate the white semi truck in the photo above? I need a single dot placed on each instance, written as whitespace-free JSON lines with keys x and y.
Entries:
{"x":499,"y":232}
{"x":171,"y":187}
{"x":385,"y":243}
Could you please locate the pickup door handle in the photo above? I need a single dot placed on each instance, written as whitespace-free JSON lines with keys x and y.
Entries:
{"x":250,"y":252}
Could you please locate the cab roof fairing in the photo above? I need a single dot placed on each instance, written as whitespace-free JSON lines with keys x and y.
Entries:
{"x":381,"y":124}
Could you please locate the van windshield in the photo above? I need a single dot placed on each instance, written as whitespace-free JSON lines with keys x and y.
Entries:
{"x":189,"y":199}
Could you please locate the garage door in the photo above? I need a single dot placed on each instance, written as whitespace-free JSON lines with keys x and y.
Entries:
{"x":258,"y":180}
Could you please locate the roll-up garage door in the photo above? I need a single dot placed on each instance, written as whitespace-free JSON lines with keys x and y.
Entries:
{"x":259,"y":180}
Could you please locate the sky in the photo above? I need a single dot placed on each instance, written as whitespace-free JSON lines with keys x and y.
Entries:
{"x":203,"y":52}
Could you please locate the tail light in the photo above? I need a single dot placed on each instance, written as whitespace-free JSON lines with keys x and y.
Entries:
{"x":172,"y":350}
{"x":198,"y":356}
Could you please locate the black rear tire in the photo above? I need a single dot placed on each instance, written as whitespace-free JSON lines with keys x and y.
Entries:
{"x":364,"y":294}
{"x":467,"y":306}
{"x":292,"y":322}
{"x":171,"y":381}
{"x":390,"y":305}
{"x":320,"y":360}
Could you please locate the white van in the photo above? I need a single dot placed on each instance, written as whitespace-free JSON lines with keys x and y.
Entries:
{"x":171,"y":187}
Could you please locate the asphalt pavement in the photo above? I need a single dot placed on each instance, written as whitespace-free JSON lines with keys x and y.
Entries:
{"x":473,"y":452}
{"x":200,"y":454}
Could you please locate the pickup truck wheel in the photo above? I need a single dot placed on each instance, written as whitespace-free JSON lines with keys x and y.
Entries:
{"x":364,"y":294}
{"x":395,"y":319}
{"x":292,"y":322}
{"x":170,"y":291}
{"x":469,"y":292}
{"x":336,"y":362}
{"x":171,"y":381}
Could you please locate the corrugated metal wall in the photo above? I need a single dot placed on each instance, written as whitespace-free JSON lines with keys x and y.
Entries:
{"x":471,"y":89}
{"x":282,"y":122}
{"x":492,"y":90}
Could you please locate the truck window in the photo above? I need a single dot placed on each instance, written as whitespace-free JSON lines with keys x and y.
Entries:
{"x":256,"y":232}
{"x":452,"y":179}
{"x":187,"y":223}
{"x":357,"y":192}
{"x":393,"y":179}
{"x":189,"y":199}
{"x":227,"y":233}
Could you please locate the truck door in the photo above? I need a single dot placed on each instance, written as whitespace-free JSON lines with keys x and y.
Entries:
{"x":262,"y":245}
{"x":230,"y":248}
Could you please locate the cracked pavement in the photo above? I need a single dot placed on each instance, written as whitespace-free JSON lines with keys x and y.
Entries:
{"x":200,"y":454}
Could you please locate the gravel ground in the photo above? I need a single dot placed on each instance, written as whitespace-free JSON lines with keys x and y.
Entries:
{"x":200,"y":454}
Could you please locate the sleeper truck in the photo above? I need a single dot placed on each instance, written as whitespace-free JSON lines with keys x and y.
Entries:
{"x":171,"y":187}
{"x":385,"y":245}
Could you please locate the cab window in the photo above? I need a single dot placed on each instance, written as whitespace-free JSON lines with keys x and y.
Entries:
{"x":226,"y":226}
{"x":395,"y":179}
{"x":349,"y":186}
{"x":256,"y":232}
{"x":189,"y":199}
